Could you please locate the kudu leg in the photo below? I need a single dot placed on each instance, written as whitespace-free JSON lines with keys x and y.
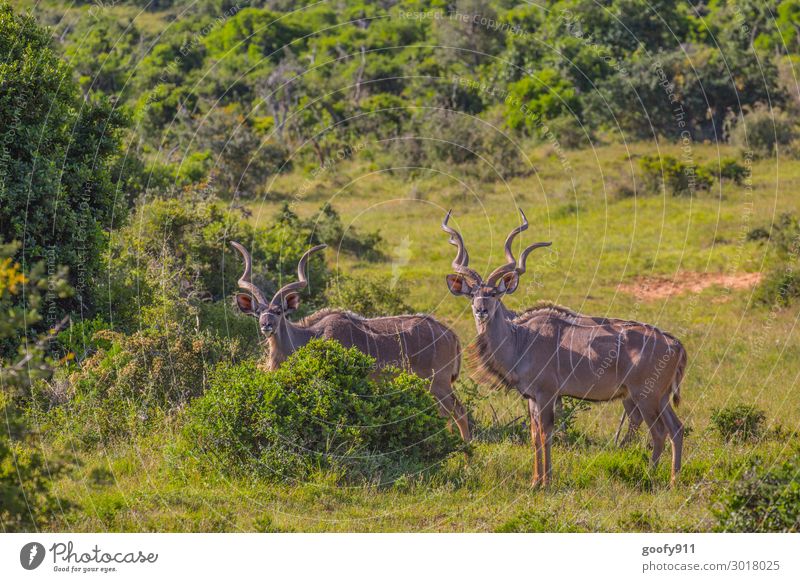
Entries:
{"x":675,"y":428}
{"x":548,"y":424}
{"x":658,"y":430}
{"x":543,"y":421}
{"x":462,"y":420}
{"x":450,"y":407}
{"x":634,"y":418}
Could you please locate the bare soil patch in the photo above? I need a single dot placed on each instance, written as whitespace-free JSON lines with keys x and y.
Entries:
{"x":654,"y":288}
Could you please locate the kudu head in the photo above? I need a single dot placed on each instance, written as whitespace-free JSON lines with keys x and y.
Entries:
{"x":486,"y":295}
{"x":270,"y":314}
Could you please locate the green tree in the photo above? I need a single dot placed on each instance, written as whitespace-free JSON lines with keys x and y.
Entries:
{"x":57,"y":193}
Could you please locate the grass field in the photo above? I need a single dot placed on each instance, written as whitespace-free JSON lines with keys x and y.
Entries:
{"x":739,"y":352}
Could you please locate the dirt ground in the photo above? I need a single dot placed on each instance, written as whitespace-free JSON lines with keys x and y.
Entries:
{"x":655,"y":288}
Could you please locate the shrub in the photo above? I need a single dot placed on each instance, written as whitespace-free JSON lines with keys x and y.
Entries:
{"x":370,"y":297}
{"x":79,"y":340}
{"x":762,"y":130}
{"x":729,"y":169}
{"x":739,"y":423}
{"x":566,"y":431}
{"x":670,"y":174}
{"x":782,"y":284}
{"x":327,"y":227}
{"x":57,"y":190}
{"x":492,"y":430}
{"x":177,"y":257}
{"x":764,"y":499}
{"x":786,"y":235}
{"x":779,"y":287}
{"x":320,"y":410}
{"x":477,"y":147}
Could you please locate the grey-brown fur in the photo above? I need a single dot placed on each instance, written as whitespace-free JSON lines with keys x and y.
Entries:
{"x":549,"y":352}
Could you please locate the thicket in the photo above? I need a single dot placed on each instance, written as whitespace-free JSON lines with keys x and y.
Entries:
{"x":766,"y":498}
{"x":619,"y":66}
{"x":320,"y":411}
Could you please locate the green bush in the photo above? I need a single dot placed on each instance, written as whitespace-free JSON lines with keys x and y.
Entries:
{"x":762,"y":130}
{"x":327,"y":227}
{"x":675,"y":177}
{"x":320,"y":410}
{"x":80,"y":339}
{"x":566,"y":430}
{"x":176,"y":257}
{"x":57,"y":148}
{"x":729,"y":169}
{"x":739,"y":423}
{"x":781,"y":285}
{"x":130,"y":385}
{"x":764,"y":499}
{"x":370,"y":297}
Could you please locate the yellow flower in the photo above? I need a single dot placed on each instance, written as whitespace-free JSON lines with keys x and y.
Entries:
{"x":10,"y":276}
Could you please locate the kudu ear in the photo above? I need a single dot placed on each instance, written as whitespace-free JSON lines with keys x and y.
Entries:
{"x":291,"y":302}
{"x":458,"y":285}
{"x":246,"y":303}
{"x":509,"y":283}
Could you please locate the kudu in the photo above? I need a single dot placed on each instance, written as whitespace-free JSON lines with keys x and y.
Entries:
{"x":418,"y":343}
{"x":549,"y":352}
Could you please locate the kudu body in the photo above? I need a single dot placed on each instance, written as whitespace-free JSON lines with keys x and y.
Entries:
{"x":418,"y":343}
{"x":549,"y":352}
{"x":630,"y":412}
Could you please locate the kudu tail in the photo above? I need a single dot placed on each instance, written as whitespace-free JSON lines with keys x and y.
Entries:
{"x":677,"y":378}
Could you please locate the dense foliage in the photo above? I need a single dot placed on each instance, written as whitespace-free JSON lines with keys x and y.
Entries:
{"x":59,"y":166}
{"x":741,"y":422}
{"x":765,"y":499}
{"x":246,"y":91}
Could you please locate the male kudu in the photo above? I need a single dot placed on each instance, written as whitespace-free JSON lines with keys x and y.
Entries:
{"x":549,"y":352}
{"x":418,"y":343}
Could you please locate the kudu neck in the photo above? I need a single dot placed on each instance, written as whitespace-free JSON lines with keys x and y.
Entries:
{"x":496,"y":343}
{"x":288,"y":338}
